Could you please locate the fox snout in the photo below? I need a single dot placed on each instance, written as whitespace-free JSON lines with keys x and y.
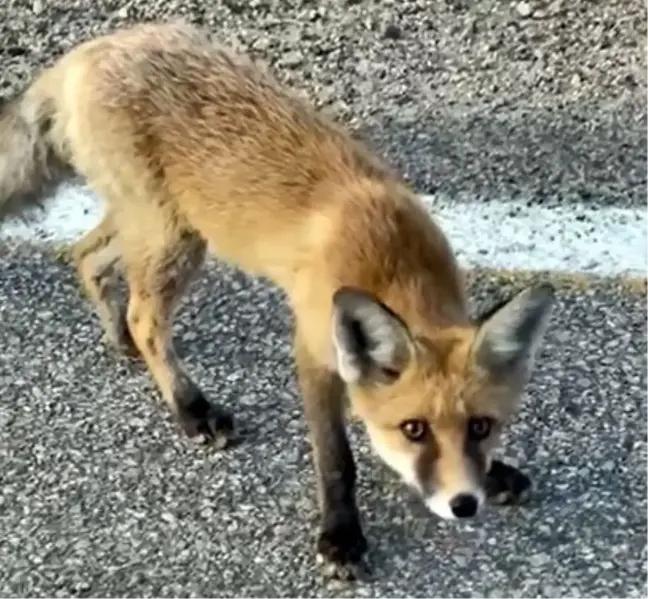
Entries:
{"x":464,"y":505}
{"x":456,"y":506}
{"x":448,"y":479}
{"x":456,"y":488}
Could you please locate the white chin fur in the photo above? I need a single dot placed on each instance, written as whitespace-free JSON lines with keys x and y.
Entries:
{"x":439,"y":503}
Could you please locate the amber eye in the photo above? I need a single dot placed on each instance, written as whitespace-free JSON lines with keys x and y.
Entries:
{"x":479,"y":427}
{"x":415,"y":430}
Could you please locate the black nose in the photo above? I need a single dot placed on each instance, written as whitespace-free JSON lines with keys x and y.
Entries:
{"x":464,"y":505}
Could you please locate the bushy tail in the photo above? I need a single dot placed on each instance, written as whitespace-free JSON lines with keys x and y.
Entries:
{"x":30,"y":166}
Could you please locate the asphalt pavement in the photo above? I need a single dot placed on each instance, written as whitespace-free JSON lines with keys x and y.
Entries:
{"x":534,"y":101}
{"x":100,"y":494}
{"x":485,"y":100}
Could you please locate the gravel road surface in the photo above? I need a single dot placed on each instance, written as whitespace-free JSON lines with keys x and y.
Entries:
{"x":482,"y":99}
{"x":100,"y":495}
{"x":476,"y":100}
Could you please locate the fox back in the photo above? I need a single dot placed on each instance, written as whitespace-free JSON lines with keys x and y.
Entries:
{"x":162,"y":114}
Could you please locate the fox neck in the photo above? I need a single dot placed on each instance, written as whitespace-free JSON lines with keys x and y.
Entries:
{"x":375,"y":235}
{"x":385,"y":242}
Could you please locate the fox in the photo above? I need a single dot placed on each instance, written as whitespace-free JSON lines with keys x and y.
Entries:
{"x":196,"y":149}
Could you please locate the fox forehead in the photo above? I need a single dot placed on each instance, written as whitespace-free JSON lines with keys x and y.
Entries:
{"x":440,"y":386}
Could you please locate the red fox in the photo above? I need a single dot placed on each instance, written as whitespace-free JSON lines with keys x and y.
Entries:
{"x":194,"y":148}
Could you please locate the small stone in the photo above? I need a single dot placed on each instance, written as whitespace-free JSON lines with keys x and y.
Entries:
{"x":261,"y":44}
{"x":292,"y":59}
{"x":575,"y":80}
{"x":362,"y":67}
{"x":392,"y":32}
{"x":524,"y":9}
{"x":539,"y":559}
{"x":460,"y":560}
{"x":555,"y":7}
{"x":168,"y":517}
{"x":327,"y":95}
{"x":37,"y":7}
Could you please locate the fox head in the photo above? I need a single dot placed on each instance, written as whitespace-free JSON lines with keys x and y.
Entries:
{"x":435,"y":406}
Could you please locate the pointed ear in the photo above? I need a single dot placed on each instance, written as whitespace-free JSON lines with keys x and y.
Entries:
{"x":372,"y":344}
{"x":509,"y":336}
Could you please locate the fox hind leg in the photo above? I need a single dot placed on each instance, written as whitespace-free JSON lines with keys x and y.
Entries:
{"x":97,"y":259}
{"x":157,"y":273}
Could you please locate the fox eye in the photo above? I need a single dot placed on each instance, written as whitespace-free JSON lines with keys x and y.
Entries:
{"x":479,"y":427}
{"x":390,"y":374}
{"x":414,"y":430}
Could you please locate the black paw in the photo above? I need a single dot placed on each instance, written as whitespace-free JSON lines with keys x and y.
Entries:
{"x":340,"y":551}
{"x":506,"y":485}
{"x":118,"y":336}
{"x":204,"y":422}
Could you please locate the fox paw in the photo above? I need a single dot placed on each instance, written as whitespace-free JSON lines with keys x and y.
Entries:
{"x":118,"y":336}
{"x":124,"y":346}
{"x":341,"y":550}
{"x":506,"y":485}
{"x":205,"y":423}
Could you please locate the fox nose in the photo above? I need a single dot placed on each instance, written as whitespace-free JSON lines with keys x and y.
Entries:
{"x":464,"y":505}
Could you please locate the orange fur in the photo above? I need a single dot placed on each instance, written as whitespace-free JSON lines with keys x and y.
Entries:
{"x":194,"y":149}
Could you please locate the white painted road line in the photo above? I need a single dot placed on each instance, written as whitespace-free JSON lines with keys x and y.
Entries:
{"x":571,"y":238}
{"x":565,"y":239}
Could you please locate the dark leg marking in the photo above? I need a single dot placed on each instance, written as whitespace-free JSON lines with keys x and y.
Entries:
{"x":506,"y":485}
{"x":341,"y":543}
{"x":96,"y":257}
{"x":155,"y":289}
{"x":112,"y":312}
{"x":151,"y":346}
{"x":202,"y":421}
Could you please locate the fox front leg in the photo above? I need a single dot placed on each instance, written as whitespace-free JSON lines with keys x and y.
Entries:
{"x":506,"y":485}
{"x":341,"y":544}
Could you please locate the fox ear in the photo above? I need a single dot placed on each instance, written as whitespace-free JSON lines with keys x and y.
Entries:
{"x":509,"y":336}
{"x":372,"y":344}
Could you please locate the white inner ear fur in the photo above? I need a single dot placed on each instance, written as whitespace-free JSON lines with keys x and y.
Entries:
{"x":347,"y":366}
{"x":504,"y":334}
{"x":502,"y":330}
{"x":386,"y":336}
